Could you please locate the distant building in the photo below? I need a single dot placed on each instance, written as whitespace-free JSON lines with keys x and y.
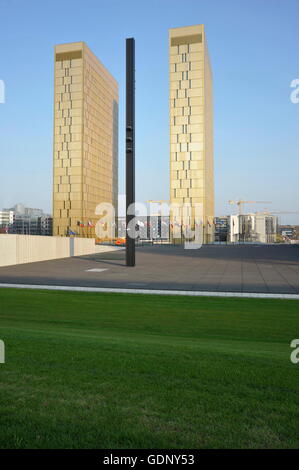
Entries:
{"x":191,"y":123}
{"x":221,"y":228}
{"x":250,"y":228}
{"x":20,"y":209}
{"x":45,"y":225}
{"x":233,"y":229}
{"x":27,"y":225}
{"x":289,"y":232}
{"x":25,"y":221}
{"x":6,"y":218}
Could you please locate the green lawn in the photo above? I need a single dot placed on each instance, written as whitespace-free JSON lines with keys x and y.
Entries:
{"x":89,"y":370}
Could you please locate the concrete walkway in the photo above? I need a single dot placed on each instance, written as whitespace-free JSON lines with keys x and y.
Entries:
{"x":266,"y":269}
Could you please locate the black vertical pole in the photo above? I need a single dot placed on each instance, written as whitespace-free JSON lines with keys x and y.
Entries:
{"x":130,"y":146}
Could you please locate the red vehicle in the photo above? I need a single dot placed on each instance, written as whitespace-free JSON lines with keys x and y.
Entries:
{"x":120,"y":241}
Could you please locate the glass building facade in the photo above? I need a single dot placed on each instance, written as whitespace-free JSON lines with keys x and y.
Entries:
{"x":191,"y":123}
{"x":85,"y":139}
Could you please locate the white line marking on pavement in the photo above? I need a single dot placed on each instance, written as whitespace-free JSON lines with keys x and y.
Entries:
{"x":154,"y":292}
{"x":137,"y":284}
{"x":95,"y":270}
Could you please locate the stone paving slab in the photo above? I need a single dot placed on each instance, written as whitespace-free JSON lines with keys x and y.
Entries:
{"x":239,"y":268}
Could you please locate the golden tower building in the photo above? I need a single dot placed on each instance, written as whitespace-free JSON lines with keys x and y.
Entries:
{"x":85,"y":139}
{"x":191,"y":123}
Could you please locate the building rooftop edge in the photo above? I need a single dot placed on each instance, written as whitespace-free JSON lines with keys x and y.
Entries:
{"x":83,"y":45}
{"x":193,"y":26}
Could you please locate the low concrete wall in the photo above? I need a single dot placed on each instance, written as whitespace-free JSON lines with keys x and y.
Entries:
{"x":19,"y":249}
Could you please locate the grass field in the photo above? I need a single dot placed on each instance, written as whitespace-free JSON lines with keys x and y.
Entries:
{"x":88,"y":370}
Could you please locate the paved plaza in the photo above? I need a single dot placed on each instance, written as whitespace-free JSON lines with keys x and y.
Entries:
{"x":217,"y":268}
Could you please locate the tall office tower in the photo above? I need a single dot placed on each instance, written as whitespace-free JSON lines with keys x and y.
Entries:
{"x":191,"y":123}
{"x":85,"y":139}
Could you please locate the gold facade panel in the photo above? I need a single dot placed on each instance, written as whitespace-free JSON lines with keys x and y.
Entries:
{"x":195,"y":118}
{"x":184,"y":138}
{"x":196,"y":146}
{"x":59,"y":73}
{"x":197,"y":65}
{"x":197,"y":138}
{"x":197,"y":192}
{"x":183,"y":67}
{"x":196,"y":47}
{"x":180,"y":120}
{"x":197,"y":183}
{"x":197,"y":100}
{"x":186,"y":183}
{"x":75,"y":146}
{"x":75,"y":71}
{"x":75,"y":87}
{"x":183,"y":48}
{"x":175,"y":85}
{"x":176,"y":76}
{"x":196,"y":83}
{"x":64,"y":179}
{"x":76,"y":95}
{"x":178,"y":165}
{"x":175,"y":184}
{"x":182,"y":193}
{"x":196,"y":110}
{"x":195,"y":74}
{"x":184,"y":84}
{"x":174,"y":50}
{"x":76,"y":104}
{"x":197,"y":155}
{"x":75,"y":79}
{"x":181,"y":93}
{"x":191,"y":93}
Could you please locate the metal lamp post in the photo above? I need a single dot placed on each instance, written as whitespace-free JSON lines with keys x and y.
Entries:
{"x":130,"y":147}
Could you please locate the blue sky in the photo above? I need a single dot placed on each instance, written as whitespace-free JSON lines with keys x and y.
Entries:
{"x":254,"y":54}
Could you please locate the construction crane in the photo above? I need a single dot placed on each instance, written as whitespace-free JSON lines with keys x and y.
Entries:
{"x":158,"y":202}
{"x":240,"y":204}
{"x":277,"y":212}
{"x":161,"y":201}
